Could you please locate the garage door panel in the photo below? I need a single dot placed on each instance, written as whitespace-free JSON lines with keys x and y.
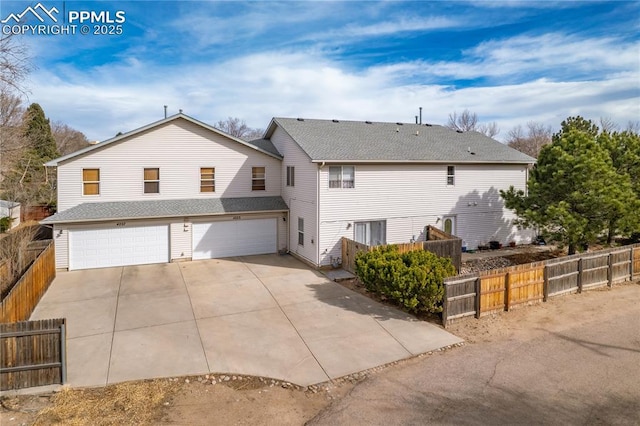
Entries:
{"x":106,"y":247}
{"x":234,"y":238}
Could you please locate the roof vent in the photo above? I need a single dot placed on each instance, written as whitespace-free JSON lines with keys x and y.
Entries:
{"x":399,"y":124}
{"x":300,"y":119}
{"x":397,"y":129}
{"x":428,"y":125}
{"x":459,"y":131}
{"x":368,"y":122}
{"x":336,"y":121}
{"x":417,"y":132}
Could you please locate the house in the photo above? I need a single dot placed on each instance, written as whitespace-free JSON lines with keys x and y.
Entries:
{"x":11,"y":210}
{"x":382,"y":183}
{"x":176,"y":189}
{"x":179,"y":189}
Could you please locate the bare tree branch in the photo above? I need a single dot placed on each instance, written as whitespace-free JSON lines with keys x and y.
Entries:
{"x":238,"y":128}
{"x":468,"y":122}
{"x":530,"y":142}
{"x":15,"y":63}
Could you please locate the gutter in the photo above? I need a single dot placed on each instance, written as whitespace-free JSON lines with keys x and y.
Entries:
{"x":108,"y":219}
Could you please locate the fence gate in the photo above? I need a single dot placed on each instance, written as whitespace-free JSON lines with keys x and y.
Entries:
{"x":33,"y":353}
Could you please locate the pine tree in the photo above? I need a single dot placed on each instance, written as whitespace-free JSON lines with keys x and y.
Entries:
{"x":574,"y":192}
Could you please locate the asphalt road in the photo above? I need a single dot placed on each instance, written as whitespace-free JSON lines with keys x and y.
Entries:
{"x":573,"y":360}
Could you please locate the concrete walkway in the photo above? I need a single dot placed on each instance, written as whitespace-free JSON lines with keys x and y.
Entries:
{"x":260,"y":315}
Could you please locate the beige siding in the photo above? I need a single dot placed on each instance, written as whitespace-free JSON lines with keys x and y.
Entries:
{"x":61,"y":241}
{"x":179,"y":148}
{"x":301,"y":198}
{"x":410,"y":197}
{"x":180,"y":239}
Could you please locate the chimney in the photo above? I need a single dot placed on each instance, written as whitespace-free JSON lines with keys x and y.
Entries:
{"x":165,"y":111}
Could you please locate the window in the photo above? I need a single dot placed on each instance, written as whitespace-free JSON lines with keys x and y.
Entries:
{"x":371,"y":233}
{"x":291,"y":177}
{"x":451,"y":175}
{"x":151,"y":181}
{"x":207,"y":179}
{"x":300,"y":231}
{"x":257,"y":179}
{"x":90,"y":181}
{"x":341,"y":177}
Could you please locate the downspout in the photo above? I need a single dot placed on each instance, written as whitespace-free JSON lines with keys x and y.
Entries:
{"x":318,"y":213}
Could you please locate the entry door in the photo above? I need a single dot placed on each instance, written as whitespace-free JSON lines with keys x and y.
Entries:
{"x":449,"y":225}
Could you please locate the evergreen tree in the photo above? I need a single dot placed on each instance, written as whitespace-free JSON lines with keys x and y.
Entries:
{"x":574,"y":192}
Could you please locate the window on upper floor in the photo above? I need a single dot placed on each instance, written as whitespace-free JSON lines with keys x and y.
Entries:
{"x":291,"y":176}
{"x":300,"y":231}
{"x":451,"y":175}
{"x":207,"y":179}
{"x":341,"y":177}
{"x":90,"y":181}
{"x":258,"y":181}
{"x":151,"y":181}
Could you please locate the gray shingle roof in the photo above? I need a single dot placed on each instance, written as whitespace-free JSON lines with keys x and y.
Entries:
{"x":265,"y":145}
{"x":88,"y":212}
{"x":333,"y":140}
{"x":8,"y":204}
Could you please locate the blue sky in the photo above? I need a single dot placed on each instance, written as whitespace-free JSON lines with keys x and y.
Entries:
{"x":510,"y":62}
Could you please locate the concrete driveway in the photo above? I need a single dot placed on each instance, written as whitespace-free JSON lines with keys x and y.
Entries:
{"x":260,"y":315}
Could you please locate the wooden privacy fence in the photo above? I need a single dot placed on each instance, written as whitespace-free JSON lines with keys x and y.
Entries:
{"x":451,"y":248}
{"x":33,"y":353}
{"x":504,"y":288}
{"x":26,"y":293}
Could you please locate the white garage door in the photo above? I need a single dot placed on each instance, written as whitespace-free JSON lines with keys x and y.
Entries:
{"x":105,"y":247}
{"x":234,"y":238}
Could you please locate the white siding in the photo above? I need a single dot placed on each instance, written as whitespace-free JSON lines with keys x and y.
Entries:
{"x":411,"y":196}
{"x":179,"y":148}
{"x":301,"y":198}
{"x":61,"y":241}
{"x":180,"y":239}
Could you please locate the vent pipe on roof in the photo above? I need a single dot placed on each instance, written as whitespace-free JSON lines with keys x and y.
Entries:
{"x":420,"y":115}
{"x":416,"y":119}
{"x":165,"y":111}
{"x":180,"y":111}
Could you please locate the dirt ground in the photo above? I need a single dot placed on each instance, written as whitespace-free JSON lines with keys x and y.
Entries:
{"x":199,"y":400}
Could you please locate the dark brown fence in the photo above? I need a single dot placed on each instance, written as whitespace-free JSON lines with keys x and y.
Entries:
{"x":502,"y":289}
{"x":451,"y":248}
{"x":33,"y":353}
{"x":26,"y":293}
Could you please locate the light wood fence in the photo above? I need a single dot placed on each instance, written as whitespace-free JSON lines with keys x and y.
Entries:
{"x":505,"y":288}
{"x":26,"y":293}
{"x":451,"y":248}
{"x":33,"y":353}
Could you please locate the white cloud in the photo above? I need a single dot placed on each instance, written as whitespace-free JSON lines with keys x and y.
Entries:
{"x":256,"y":87}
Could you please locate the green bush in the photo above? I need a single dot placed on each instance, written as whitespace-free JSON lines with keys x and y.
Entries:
{"x":414,"y":280}
{"x":5,"y":223}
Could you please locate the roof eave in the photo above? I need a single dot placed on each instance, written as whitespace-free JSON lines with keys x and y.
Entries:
{"x":107,"y":142}
{"x":105,"y":219}
{"x":424,"y":161}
